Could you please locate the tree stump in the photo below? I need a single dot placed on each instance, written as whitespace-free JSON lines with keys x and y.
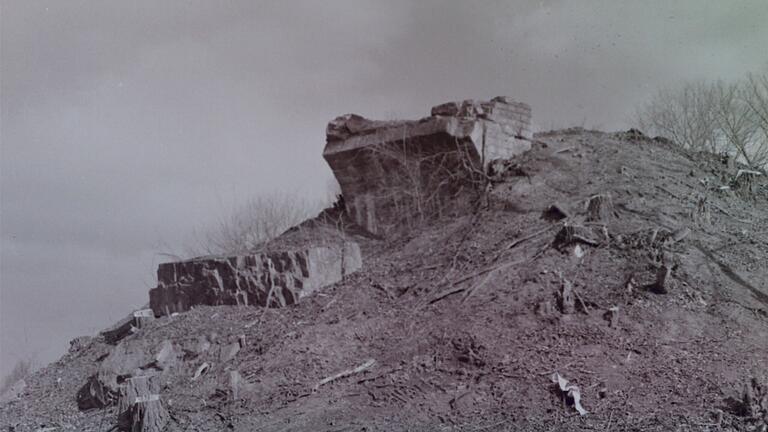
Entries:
{"x":567,"y":299}
{"x":148,"y":415}
{"x":600,"y":208}
{"x":612,"y":316}
{"x":139,"y":407}
{"x":142,"y":317}
{"x":662,"y":275}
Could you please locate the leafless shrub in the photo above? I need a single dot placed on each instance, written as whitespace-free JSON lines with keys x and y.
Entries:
{"x":21,"y":370}
{"x":253,"y":223}
{"x":419,"y":181}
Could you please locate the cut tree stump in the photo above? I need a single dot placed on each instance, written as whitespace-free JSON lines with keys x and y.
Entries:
{"x":662,"y":274}
{"x":600,"y":208}
{"x":570,"y":234}
{"x":139,"y":407}
{"x":612,"y":316}
{"x":148,"y":415}
{"x":142,"y":317}
{"x":567,"y":298}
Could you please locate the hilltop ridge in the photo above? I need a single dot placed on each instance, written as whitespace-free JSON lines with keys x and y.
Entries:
{"x":626,"y":266}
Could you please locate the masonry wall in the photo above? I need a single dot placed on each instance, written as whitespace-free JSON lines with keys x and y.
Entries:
{"x":273,"y":279}
{"x":390,"y":171}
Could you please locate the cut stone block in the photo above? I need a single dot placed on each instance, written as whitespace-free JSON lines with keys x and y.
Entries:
{"x":273,"y":279}
{"x":375,"y":161}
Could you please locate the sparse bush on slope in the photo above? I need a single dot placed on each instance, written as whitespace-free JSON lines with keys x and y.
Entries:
{"x":21,"y":370}
{"x":253,"y":223}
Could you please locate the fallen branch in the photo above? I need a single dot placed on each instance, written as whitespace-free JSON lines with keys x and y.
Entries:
{"x":452,"y":291}
{"x":529,"y":237}
{"x":446,"y":294}
{"x":344,"y":374}
{"x":581,"y":300}
{"x":477,"y":287}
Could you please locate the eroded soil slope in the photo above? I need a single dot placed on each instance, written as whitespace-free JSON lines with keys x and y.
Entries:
{"x":466,"y":322}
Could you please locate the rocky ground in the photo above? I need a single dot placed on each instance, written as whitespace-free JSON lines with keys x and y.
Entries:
{"x":653,"y":301}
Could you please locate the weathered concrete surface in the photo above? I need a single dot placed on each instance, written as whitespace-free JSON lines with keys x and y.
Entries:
{"x":274,"y":279}
{"x":386,"y":168}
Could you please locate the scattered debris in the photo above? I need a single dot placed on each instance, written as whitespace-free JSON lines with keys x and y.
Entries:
{"x":202,"y":369}
{"x":571,"y":392}
{"x":570,"y":234}
{"x":229,"y":351}
{"x":363,"y":367}
{"x":678,"y":235}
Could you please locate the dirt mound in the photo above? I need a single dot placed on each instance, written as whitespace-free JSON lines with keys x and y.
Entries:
{"x":635,"y":272}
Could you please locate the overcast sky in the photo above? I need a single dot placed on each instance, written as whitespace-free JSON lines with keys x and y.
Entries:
{"x":128,"y":124}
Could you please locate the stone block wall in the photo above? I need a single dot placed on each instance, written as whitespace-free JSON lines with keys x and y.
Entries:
{"x":389,"y":168}
{"x":273,"y":279}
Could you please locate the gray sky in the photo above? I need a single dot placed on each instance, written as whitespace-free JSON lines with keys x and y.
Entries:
{"x":128,"y":124}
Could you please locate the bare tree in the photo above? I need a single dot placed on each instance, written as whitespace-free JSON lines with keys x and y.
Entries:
{"x":734,"y":120}
{"x":717,"y":117}
{"x":684,"y":115}
{"x":756,"y":98}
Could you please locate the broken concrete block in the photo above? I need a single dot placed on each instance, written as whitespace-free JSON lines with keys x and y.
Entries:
{"x":273,"y":279}
{"x":228,"y":352}
{"x":369,"y":160}
{"x":202,"y":369}
{"x":234,"y":384}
